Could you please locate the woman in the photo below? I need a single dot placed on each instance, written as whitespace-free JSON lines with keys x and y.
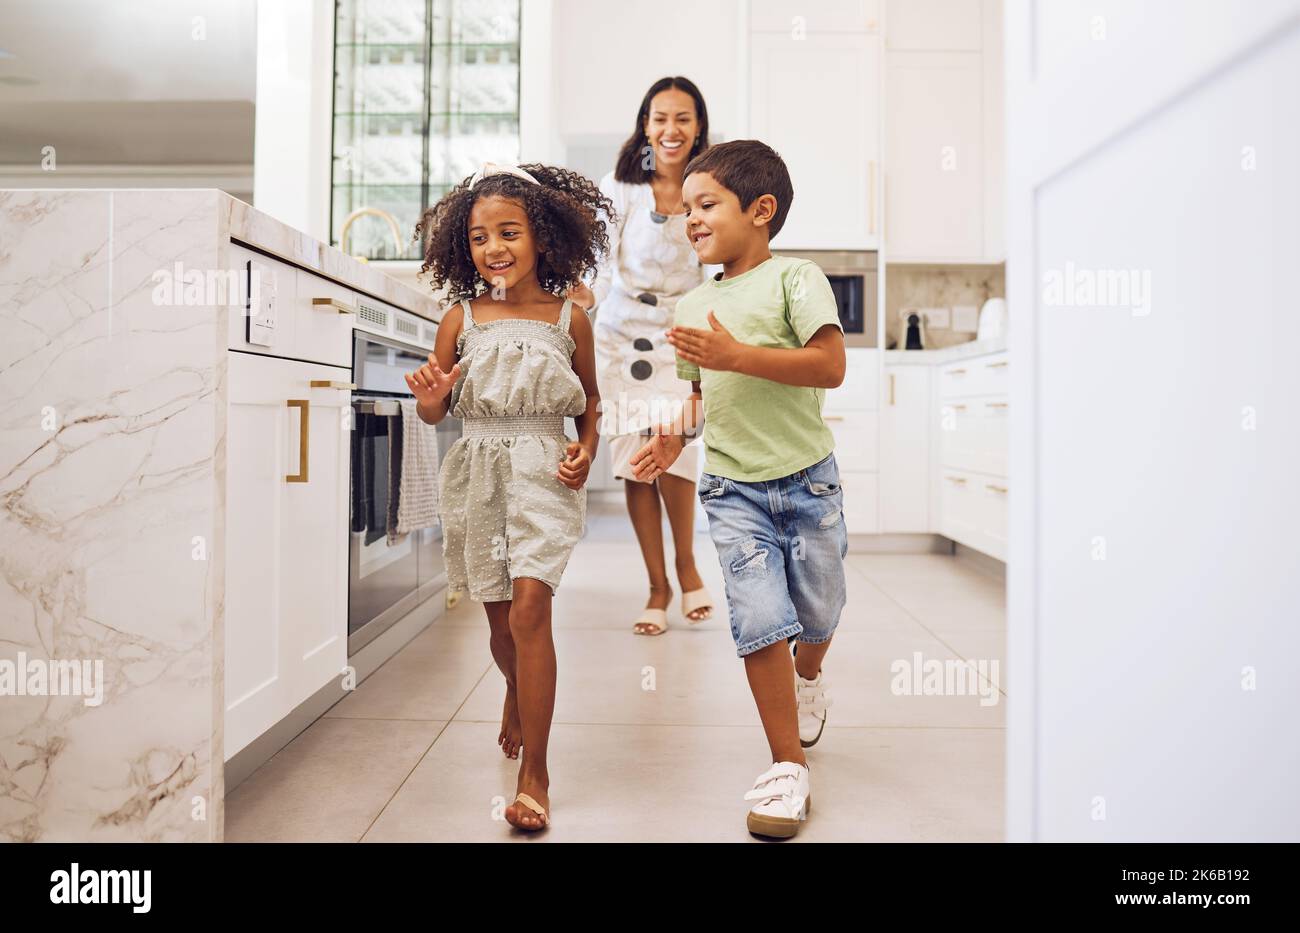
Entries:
{"x":650,"y":265}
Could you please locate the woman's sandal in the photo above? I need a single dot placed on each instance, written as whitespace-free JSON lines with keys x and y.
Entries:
{"x":697,"y":599}
{"x":533,"y":805}
{"x":651,"y":617}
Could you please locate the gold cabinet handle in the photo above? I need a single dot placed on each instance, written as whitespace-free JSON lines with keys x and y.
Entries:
{"x":995,"y":488}
{"x":304,"y":411}
{"x":332,"y":384}
{"x":995,"y":404}
{"x":832,"y":417}
{"x":956,"y":372}
{"x":891,"y":388}
{"x":956,"y":479}
{"x":996,"y":365}
{"x":957,"y":407}
{"x":871,"y":187}
{"x":342,"y":307}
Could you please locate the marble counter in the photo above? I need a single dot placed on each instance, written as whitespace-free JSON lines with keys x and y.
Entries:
{"x":113,"y":411}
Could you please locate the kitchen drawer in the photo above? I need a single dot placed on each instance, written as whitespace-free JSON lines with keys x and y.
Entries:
{"x":855,"y":438}
{"x":990,"y":496}
{"x":959,"y":510}
{"x":325,"y":312}
{"x":973,"y":511}
{"x":973,"y":434}
{"x":860,"y":390}
{"x":981,"y":375}
{"x":861,"y":508}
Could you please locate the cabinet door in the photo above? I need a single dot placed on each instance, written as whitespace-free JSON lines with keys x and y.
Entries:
{"x":934,"y":25}
{"x":934,"y":193}
{"x":815,"y":100}
{"x":286,"y":553}
{"x":905,"y":450}
{"x":823,"y":16}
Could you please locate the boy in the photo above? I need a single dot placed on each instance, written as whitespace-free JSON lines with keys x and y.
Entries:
{"x":761,"y":342}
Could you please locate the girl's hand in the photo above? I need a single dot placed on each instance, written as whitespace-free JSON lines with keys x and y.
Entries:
{"x":708,"y":349}
{"x":430,"y":385}
{"x":582,"y":296}
{"x":653,"y":460}
{"x":575,"y":465}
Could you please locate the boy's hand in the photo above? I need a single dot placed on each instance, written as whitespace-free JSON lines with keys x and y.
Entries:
{"x":653,"y":460}
{"x":575,"y":465}
{"x":430,"y":385}
{"x":707,"y":349}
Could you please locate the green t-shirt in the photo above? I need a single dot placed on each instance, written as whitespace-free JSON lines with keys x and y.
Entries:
{"x":756,"y":429}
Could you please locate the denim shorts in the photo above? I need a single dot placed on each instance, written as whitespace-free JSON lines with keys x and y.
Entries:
{"x":782,"y":545}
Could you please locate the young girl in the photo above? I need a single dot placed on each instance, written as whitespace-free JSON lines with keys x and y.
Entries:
{"x":513,"y":360}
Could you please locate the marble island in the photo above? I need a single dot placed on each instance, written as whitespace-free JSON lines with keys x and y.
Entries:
{"x":113,"y":430}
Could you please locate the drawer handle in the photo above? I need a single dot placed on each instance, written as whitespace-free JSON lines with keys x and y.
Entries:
{"x":342,"y":307}
{"x":304,"y":411}
{"x":995,"y":488}
{"x":956,"y":372}
{"x":995,"y":404}
{"x":332,"y":384}
{"x":832,"y":417}
{"x":957,"y":407}
{"x":996,"y":365}
{"x":891,"y":388}
{"x":956,"y":479}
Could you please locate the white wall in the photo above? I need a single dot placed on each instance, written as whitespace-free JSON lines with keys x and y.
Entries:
{"x":1153,"y":581}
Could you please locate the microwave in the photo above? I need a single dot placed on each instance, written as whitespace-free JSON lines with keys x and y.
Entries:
{"x":853,"y":278}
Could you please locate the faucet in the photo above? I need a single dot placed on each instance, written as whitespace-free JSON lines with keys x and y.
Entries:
{"x":361,"y":212}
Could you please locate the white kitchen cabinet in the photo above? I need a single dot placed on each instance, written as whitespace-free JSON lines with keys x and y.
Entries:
{"x":861,"y":491}
{"x":934,"y":196}
{"x":944,"y":125}
{"x":287,"y":538}
{"x":815,"y":99}
{"x":905,"y":450}
{"x":823,"y":16}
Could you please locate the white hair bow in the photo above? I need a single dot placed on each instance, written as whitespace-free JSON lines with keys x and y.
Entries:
{"x":492,"y":168}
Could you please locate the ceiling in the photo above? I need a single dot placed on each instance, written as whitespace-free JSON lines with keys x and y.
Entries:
{"x":130,"y":82}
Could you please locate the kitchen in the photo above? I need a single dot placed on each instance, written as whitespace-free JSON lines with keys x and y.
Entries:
{"x":196,"y":490}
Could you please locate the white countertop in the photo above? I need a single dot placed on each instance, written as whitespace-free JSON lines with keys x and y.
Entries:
{"x":249,"y":225}
{"x":951,"y":354}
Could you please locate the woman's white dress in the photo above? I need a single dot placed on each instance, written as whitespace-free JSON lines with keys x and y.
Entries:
{"x":636,"y":366}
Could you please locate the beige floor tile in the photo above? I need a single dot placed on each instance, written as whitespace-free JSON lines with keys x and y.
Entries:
{"x":428,"y":679}
{"x":329,"y":783}
{"x":687,"y":783}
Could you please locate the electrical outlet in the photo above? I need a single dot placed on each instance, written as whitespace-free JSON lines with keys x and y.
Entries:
{"x":936,"y":317}
{"x":965,"y":318}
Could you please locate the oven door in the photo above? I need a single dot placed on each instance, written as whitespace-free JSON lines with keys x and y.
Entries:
{"x":385,"y":581}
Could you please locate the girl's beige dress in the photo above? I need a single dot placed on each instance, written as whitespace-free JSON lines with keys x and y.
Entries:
{"x":504,"y":512}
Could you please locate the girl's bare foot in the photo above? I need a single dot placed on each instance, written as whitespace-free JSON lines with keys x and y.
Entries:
{"x":522,"y":816}
{"x":511,"y":738}
{"x":689,"y":578}
{"x":660,"y":597}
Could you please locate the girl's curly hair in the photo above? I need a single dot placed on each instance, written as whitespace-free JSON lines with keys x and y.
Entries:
{"x":563,"y":211}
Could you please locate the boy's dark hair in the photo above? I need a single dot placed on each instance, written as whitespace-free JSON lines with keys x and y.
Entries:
{"x":630,"y":166}
{"x":749,"y":169}
{"x":562,"y":214}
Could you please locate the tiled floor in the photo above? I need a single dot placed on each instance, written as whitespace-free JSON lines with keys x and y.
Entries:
{"x":411,"y":755}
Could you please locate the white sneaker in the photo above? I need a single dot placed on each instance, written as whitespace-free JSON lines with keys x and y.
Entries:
{"x":813,"y":703}
{"x":783,"y":798}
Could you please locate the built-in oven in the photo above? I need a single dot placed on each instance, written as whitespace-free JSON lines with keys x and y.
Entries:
{"x":853,"y":277}
{"x":385,"y":580}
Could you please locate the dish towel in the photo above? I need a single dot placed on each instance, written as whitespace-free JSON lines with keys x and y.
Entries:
{"x":396,"y":440}
{"x":417,"y":500}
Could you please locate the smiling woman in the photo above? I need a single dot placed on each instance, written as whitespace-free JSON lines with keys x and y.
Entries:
{"x":650,"y":266}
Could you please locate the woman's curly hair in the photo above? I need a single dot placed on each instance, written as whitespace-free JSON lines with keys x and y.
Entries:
{"x":563,"y":211}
